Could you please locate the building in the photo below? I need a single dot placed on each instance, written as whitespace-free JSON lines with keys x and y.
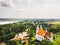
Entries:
{"x":42,"y":34}
{"x":21,"y":36}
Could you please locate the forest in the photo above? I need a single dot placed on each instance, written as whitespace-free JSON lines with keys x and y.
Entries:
{"x":8,"y":31}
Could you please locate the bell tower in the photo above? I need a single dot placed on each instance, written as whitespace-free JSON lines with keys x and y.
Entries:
{"x":37,"y":29}
{"x":41,"y":27}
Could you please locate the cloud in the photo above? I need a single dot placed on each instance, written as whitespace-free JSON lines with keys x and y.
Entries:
{"x":29,"y":0}
{"x":25,"y":0}
{"x":31,"y":13}
{"x":19,"y":0}
{"x":7,"y":3}
{"x":31,"y":9}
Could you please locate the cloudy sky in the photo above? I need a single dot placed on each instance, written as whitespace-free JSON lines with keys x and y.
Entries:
{"x":30,"y":9}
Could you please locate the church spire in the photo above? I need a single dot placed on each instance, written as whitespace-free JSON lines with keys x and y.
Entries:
{"x":37,"y":29}
{"x":46,"y":30}
{"x":41,"y":27}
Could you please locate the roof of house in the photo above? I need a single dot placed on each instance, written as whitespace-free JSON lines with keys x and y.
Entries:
{"x":25,"y":38}
{"x":41,"y":32}
{"x":16,"y":38}
{"x":45,"y":33}
{"x":48,"y":35}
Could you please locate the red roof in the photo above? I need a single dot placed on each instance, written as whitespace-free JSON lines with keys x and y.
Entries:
{"x":48,"y":34}
{"x":16,"y":38}
{"x":41,"y":32}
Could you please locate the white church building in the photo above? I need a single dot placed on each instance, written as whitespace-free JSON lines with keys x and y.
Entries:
{"x":42,"y":34}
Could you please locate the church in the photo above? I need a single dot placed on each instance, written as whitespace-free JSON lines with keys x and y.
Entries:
{"x":42,"y":34}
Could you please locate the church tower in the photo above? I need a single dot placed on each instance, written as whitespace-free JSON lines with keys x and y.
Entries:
{"x":51,"y":39}
{"x":37,"y":29}
{"x":41,"y":27}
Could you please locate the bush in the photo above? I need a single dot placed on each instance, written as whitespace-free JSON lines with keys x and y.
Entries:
{"x":11,"y":42}
{"x":44,"y":42}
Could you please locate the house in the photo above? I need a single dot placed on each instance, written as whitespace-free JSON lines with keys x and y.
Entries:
{"x":21,"y":36}
{"x":42,"y":34}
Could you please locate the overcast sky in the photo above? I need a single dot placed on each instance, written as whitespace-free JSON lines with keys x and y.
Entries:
{"x":29,"y":8}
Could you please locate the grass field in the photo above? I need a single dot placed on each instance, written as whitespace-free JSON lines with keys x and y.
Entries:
{"x":54,"y":22}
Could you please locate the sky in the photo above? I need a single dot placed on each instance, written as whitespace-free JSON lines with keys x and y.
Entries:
{"x":30,"y":9}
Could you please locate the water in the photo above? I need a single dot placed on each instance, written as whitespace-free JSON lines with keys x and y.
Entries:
{"x":7,"y":22}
